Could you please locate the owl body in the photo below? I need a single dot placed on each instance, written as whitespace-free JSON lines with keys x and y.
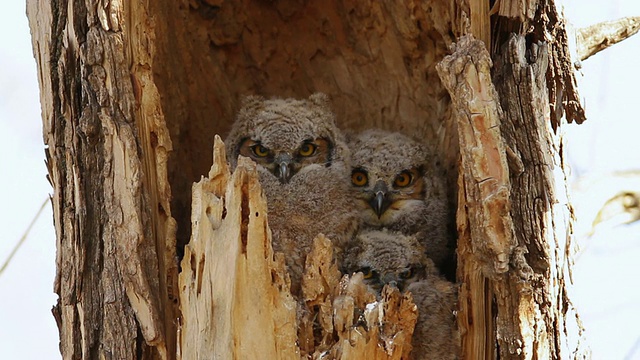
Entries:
{"x":390,"y":258}
{"x":302,"y":162}
{"x":399,"y":186}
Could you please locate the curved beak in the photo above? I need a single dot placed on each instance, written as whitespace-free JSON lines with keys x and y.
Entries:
{"x":283,"y":169}
{"x":392,"y":281}
{"x":380,"y":201}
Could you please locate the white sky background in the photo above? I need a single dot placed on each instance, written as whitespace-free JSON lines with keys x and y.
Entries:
{"x":27,"y":328}
{"x":606,"y":274}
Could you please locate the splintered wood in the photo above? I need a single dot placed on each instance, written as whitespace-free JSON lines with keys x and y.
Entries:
{"x":234,"y":291}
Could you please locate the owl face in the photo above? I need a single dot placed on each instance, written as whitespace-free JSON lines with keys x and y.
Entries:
{"x":286,"y":137}
{"x":387,"y":258}
{"x":285,"y":162}
{"x":387,"y":176}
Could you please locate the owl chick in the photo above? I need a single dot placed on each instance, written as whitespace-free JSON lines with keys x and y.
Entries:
{"x":302,"y":161}
{"x":399,"y":186}
{"x":390,"y":258}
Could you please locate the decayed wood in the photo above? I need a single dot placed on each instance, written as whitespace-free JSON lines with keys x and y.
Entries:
{"x":382,"y":331}
{"x":234,"y":292}
{"x":541,"y":20}
{"x":486,"y":240}
{"x":106,"y":154}
{"x":466,"y":74}
{"x":476,"y":318}
{"x":533,"y":229}
{"x":595,"y":38}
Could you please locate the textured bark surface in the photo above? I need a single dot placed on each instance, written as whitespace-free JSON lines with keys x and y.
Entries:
{"x":107,"y":150}
{"x":514,"y":247}
{"x":112,"y":72}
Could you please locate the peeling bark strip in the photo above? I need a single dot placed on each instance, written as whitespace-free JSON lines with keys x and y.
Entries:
{"x":467,"y":76}
{"x":107,"y":147}
{"x":234,"y":292}
{"x":485,"y":228}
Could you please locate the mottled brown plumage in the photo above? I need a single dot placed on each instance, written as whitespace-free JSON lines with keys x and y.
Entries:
{"x":303,"y":166}
{"x":398,"y":185}
{"x":390,"y":258}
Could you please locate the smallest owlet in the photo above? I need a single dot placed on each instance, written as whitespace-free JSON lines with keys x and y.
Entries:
{"x":390,"y":258}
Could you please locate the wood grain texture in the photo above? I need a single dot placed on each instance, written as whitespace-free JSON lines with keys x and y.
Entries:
{"x":597,"y":37}
{"x":107,"y":143}
{"x":466,"y":74}
{"x":511,"y":168}
{"x":539,"y":285}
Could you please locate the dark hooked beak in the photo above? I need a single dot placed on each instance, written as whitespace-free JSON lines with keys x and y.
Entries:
{"x":393,"y":282}
{"x":380,"y":200}
{"x":283,"y":169}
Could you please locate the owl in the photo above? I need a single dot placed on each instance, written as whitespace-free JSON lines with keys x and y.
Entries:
{"x":398,"y":185}
{"x":390,"y":258}
{"x":303,"y":166}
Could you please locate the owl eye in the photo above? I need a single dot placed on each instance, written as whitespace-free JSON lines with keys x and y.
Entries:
{"x":307,"y":149}
{"x":359,"y":178}
{"x":259,"y":150}
{"x":407,"y":274}
{"x":403,"y":179}
{"x":367,"y":272}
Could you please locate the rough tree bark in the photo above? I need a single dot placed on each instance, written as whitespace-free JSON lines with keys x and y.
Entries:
{"x":132,"y":94}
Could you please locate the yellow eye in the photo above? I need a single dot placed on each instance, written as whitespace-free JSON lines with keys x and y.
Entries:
{"x":307,"y":149}
{"x":403,"y":179}
{"x":366,"y":272}
{"x":260,"y":150}
{"x":359,"y":178}
{"x":407,"y":274}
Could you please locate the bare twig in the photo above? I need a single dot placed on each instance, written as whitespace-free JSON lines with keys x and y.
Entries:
{"x":595,"y":38}
{"x":24,"y":237}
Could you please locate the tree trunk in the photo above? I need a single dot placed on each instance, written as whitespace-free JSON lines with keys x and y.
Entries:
{"x":107,"y":154}
{"x":133,"y":93}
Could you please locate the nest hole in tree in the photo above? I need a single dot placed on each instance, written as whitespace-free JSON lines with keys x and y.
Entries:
{"x":375,"y":60}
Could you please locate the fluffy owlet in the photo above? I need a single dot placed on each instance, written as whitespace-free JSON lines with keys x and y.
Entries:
{"x":302,"y":161}
{"x":390,"y":258}
{"x":399,"y":186}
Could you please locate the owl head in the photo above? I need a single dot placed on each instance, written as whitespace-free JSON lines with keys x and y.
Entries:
{"x":387,"y":258}
{"x":388,"y":175}
{"x":286,"y":137}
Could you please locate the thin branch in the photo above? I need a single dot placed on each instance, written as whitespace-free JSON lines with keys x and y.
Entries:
{"x":595,"y":38}
{"x":24,"y":237}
